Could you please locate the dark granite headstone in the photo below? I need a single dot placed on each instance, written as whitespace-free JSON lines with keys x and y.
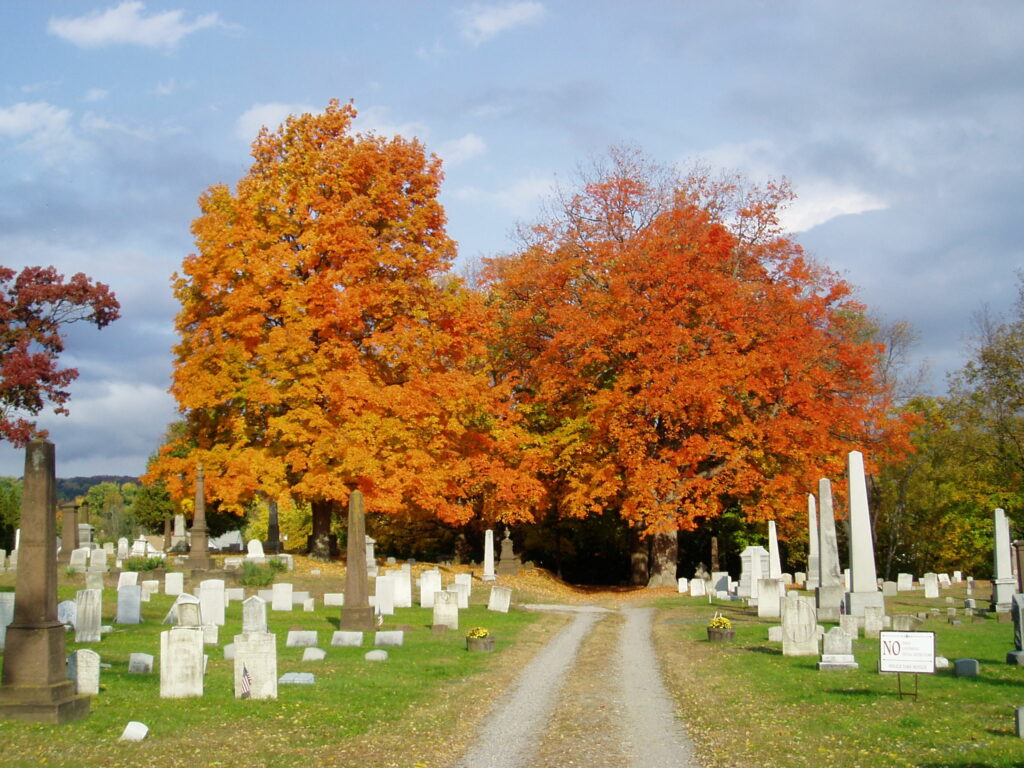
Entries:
{"x":35,"y":685}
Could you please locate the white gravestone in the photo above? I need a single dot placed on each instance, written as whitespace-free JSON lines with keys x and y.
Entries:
{"x":211,"y":598}
{"x":127,"y":579}
{"x":904,"y":582}
{"x":88,"y":611}
{"x":837,"y":651}
{"x":683,"y":585}
{"x":768,"y":598}
{"x":500,"y":599}
{"x":389,"y":637}
{"x":384,"y":591}
{"x":84,"y":671}
{"x":698,"y":588}
{"x":254,"y":616}
{"x":256,"y":658}
{"x":282,"y":597}
{"x":931,"y":585}
{"x":140,"y":664}
{"x":830,"y":592}
{"x":334,"y":599}
{"x":150,"y":587}
{"x":79,"y":561}
{"x":347,"y":638}
{"x":314,"y":654}
{"x":461,"y":592}
{"x":799,"y":627}
{"x":430,"y":583}
{"x":402,"y":579}
{"x":301,"y":638}
{"x":129,"y":605}
{"x":181,"y":663}
{"x":67,"y":613}
{"x":174,"y":584}
{"x":446,"y":610}
{"x":863,"y":577}
{"x":488,"y":574}
{"x":6,"y":615}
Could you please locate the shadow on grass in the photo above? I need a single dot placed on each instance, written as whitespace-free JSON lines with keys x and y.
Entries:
{"x":763,"y":649}
{"x":859,"y":692}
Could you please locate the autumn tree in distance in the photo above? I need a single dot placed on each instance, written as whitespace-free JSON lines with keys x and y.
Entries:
{"x":35,"y":305}
{"x":675,"y":354}
{"x":323,"y":345}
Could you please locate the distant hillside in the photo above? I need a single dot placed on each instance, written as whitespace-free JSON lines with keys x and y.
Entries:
{"x":70,"y":487}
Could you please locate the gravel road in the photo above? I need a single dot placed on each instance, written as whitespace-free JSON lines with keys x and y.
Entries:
{"x":593,"y":708}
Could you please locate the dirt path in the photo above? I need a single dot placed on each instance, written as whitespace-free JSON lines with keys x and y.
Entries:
{"x":594,"y":696}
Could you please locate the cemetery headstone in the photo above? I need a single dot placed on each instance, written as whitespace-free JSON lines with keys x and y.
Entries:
{"x":314,"y":654}
{"x":931,"y":585}
{"x":384,"y":591}
{"x":873,"y":621}
{"x":129,"y":605}
{"x":966,"y":668}
{"x":904,"y":582}
{"x":850,"y":625}
{"x":212,"y":599}
{"x":864,"y":585}
{"x":799,"y":626}
{"x":1003,"y":582}
{"x":67,"y":614}
{"x":813,"y":542}
{"x":297,"y":678}
{"x":84,"y":671}
{"x":134,"y":731}
{"x":140,"y":664}
{"x":88,"y":613}
{"x":255,"y":665}
{"x":488,"y":574}
{"x":837,"y":651}
{"x":181,"y":662}
{"x":301,"y":638}
{"x":376,"y":656}
{"x":282,"y":597}
{"x":698,"y":588}
{"x":446,"y":610}
{"x":390,"y":637}
{"x":830,"y":591}
{"x":254,"y":616}
{"x":500,"y":599}
{"x":345,"y":638}
{"x":430,"y":583}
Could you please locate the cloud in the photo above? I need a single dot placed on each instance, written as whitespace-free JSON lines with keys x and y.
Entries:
{"x":95,"y":94}
{"x":41,"y":128}
{"x":125,"y":24}
{"x":522,"y":198}
{"x":458,"y":151}
{"x":378,"y":120}
{"x":482,"y":22}
{"x":823,"y":201}
{"x":271,"y":115}
{"x":166,"y":87}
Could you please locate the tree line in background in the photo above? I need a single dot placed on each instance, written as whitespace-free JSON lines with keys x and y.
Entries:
{"x":656,"y":363}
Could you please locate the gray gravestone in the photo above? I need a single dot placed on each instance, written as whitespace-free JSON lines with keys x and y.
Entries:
{"x":181,"y":662}
{"x":256,"y":657}
{"x":84,"y":671}
{"x":837,"y":651}
{"x":301,"y":638}
{"x":88,"y":612}
{"x":346,"y":638}
{"x":129,"y":605}
{"x":140,"y":664}
{"x":390,"y":637}
{"x":446,"y":610}
{"x":799,"y":626}
{"x":254,"y":616}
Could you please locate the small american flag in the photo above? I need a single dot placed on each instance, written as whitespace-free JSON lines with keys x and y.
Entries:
{"x":380,"y":619}
{"x":246,"y":682}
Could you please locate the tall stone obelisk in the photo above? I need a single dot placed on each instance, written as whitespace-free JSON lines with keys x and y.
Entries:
{"x":488,"y":574}
{"x":199,"y":543}
{"x":356,"y":614}
{"x":863,"y":577}
{"x":35,"y":686}
{"x":1003,"y":583}
{"x":830,"y":591}
{"x":812,"y":543}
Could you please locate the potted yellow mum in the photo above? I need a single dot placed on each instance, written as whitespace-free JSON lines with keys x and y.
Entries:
{"x":720,"y":629}
{"x":479,"y":639}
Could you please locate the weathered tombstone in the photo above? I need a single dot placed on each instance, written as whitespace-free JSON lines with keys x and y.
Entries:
{"x":430,"y":583}
{"x":500,"y":599}
{"x":334,"y":599}
{"x":944,"y":580}
{"x":35,"y":685}
{"x":446,"y":610}
{"x":377,"y":655}
{"x":314,"y":654}
{"x":181,"y":662}
{"x":297,"y":678}
{"x":864,"y":585}
{"x":970,"y":585}
{"x":904,"y":582}
{"x":389,"y":637}
{"x":698,"y":588}
{"x":179,"y":540}
{"x":889,"y":589}
{"x":301,"y":638}
{"x":134,"y":731}
{"x":98,"y":561}
{"x":84,"y":671}
{"x":1003,"y":582}
{"x":187,"y":611}
{"x":6,"y":615}
{"x":683,"y":585}
{"x":94,"y":580}
{"x":931,"y":585}
{"x":830,"y":591}
{"x":813,"y":543}
{"x":254,"y":616}
{"x":344,"y":638}
{"x":212,"y":599}
{"x":768,"y":598}
{"x":129,"y":605}
{"x":966,"y":668}
{"x":488,"y":574}
{"x":906,"y":622}
{"x":850,"y":625}
{"x":79,"y":560}
{"x":799,"y":626}
{"x":254,"y":552}
{"x":719,"y":581}
{"x":282,"y":597}
{"x":122,"y":548}
{"x":140,"y":664}
{"x":88,"y":615}
{"x":753,"y":568}
{"x":174,"y":583}
{"x":873,"y":621}
{"x":402,"y":579}
{"x":384,"y":592}
{"x":461,"y":592}
{"x":150,"y":587}
{"x":774,"y":560}
{"x":67,"y":614}
{"x":837,"y":651}
{"x":958,"y":576}
{"x":255,"y":665}
{"x":356,"y":614}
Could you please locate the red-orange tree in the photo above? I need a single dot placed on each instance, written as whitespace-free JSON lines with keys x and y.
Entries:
{"x":323,"y":345}
{"x":674,"y":354}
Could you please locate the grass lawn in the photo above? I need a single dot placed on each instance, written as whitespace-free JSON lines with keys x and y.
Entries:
{"x":358,"y":712}
{"x":748,"y":705}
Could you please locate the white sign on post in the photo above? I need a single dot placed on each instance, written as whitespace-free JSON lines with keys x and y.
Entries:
{"x":907,"y":652}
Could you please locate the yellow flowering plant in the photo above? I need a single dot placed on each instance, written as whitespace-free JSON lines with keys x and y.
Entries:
{"x":719,"y":622}
{"x":477,"y":632}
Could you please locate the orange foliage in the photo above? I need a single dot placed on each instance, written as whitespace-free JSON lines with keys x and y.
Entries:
{"x":673,"y":352}
{"x":323,"y":346}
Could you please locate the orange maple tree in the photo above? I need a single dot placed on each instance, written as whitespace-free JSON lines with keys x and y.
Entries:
{"x":324,"y":346}
{"x":674,"y":353}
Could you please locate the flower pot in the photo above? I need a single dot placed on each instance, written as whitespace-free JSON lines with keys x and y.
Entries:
{"x":483,"y":644}
{"x":720,"y":635}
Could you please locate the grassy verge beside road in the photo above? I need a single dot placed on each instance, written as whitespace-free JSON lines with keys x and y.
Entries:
{"x":748,"y":705}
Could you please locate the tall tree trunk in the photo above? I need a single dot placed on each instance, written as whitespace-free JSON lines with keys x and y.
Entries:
{"x":320,"y":541}
{"x":639,"y":558}
{"x":664,"y":558}
{"x":714,"y":554}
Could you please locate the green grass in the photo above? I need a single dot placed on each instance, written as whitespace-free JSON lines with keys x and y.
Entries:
{"x":784,"y":711}
{"x":350,"y":698}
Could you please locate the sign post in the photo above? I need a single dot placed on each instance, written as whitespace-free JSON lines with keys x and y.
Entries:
{"x":907,"y":653}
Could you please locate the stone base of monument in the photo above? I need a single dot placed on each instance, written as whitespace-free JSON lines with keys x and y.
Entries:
{"x":20,"y":699}
{"x":856,"y":602}
{"x":827,"y":601}
{"x":1015,"y":658}
{"x":837,"y":661}
{"x":358,"y":619}
{"x":1002,"y":594}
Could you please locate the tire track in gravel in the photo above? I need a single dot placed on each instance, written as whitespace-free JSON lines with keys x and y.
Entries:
{"x":593,"y":697}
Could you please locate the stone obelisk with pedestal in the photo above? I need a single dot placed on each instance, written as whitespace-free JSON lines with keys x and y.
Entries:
{"x":273,"y":543}
{"x":356,"y":614}
{"x":68,"y":531}
{"x":864,"y":590}
{"x":35,"y":686}
{"x":199,"y":545}
{"x":812,"y":543}
{"x":829,"y":594}
{"x":1003,"y":583}
{"x":488,"y":574}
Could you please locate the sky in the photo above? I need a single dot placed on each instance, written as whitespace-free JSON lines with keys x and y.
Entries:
{"x":900,"y":126}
